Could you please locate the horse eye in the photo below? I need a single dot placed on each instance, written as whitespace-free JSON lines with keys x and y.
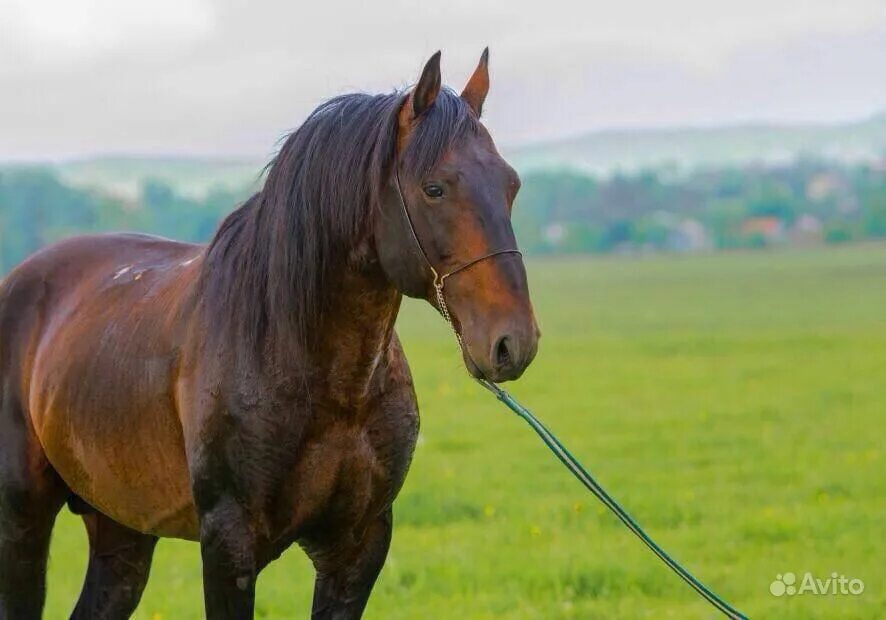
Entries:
{"x":433,"y":191}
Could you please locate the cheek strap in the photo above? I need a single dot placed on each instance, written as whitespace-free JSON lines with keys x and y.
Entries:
{"x":440,"y":278}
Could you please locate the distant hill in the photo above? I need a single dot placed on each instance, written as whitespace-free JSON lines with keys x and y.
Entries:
{"x":600,"y":153}
{"x":605,"y":152}
{"x":193,"y":177}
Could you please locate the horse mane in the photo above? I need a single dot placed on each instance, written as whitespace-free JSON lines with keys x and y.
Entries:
{"x":269,"y":269}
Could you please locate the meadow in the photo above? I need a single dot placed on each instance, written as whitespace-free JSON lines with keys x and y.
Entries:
{"x":734,"y":403}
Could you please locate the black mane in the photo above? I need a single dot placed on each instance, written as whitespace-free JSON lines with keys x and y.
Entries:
{"x":268,"y":270}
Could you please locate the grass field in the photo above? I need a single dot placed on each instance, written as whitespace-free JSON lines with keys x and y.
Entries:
{"x":733,"y":403}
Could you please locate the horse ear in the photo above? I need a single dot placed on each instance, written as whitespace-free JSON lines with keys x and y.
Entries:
{"x":478,"y":86}
{"x":428,"y":87}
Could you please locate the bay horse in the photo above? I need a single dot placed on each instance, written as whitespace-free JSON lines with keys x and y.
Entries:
{"x":252,"y":393}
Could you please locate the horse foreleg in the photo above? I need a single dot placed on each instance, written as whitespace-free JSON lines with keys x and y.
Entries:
{"x":345,"y":577}
{"x":119,"y":563}
{"x":229,"y":572}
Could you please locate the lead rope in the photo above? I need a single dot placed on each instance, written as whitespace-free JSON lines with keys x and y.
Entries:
{"x":551,"y":441}
{"x":574,"y":466}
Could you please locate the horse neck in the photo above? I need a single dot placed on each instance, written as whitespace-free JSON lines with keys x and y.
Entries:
{"x":354,"y":334}
{"x":349,"y":342}
{"x":341,"y":349}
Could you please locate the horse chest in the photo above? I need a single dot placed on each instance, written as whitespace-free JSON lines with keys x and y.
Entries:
{"x":339,"y":477}
{"x":344,"y":474}
{"x":347,"y":463}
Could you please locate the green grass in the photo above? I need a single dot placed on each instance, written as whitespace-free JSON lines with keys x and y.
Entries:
{"x":733,"y":403}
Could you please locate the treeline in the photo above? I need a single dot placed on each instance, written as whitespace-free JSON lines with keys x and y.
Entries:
{"x":803,"y":203}
{"x":37,"y":208}
{"x":556,"y":212}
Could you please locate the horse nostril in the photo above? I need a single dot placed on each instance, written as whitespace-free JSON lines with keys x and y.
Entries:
{"x":502,"y":354}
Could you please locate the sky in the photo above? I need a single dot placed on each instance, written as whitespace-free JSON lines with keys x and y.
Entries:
{"x":228,"y":78}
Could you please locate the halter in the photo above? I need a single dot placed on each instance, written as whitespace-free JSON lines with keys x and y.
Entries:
{"x":440,"y":279}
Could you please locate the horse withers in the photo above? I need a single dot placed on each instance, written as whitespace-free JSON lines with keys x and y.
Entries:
{"x":252,"y":393}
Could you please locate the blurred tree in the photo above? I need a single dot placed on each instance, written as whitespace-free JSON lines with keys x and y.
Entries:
{"x":556,"y":211}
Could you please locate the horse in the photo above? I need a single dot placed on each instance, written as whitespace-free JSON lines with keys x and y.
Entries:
{"x":252,"y":393}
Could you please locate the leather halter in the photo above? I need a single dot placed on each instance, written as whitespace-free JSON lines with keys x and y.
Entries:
{"x":440,"y":279}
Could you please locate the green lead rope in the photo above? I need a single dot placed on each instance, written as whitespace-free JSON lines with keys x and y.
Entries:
{"x":588,"y":481}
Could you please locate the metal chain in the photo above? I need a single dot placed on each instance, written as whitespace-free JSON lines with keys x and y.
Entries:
{"x":444,"y":310}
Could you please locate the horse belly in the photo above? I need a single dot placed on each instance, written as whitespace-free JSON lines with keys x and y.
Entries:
{"x":108,"y":425}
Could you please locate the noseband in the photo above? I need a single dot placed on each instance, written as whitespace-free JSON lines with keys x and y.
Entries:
{"x":440,"y":279}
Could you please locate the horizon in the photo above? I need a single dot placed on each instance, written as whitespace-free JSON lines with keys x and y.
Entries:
{"x":247,"y":158}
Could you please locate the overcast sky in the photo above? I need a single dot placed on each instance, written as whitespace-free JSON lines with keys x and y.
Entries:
{"x":229,"y":77}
